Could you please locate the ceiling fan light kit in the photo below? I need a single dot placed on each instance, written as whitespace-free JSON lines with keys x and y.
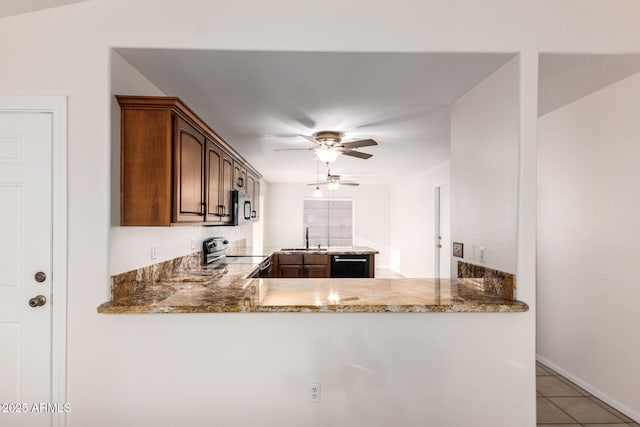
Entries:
{"x":317,"y":193}
{"x":327,"y":154}
{"x":333,"y":185}
{"x":329,"y":146}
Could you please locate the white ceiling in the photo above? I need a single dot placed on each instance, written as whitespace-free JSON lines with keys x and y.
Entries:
{"x":258,"y":101}
{"x":16,"y":7}
{"x":565,"y":78}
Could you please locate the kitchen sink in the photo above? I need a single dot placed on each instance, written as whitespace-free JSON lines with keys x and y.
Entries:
{"x":303,"y":249}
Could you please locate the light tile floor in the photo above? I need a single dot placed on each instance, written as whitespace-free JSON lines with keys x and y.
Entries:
{"x":562,"y":403}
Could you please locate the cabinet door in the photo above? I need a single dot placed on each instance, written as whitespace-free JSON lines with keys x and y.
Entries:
{"x":213,"y":167}
{"x":316,"y":271}
{"x":239,"y":177}
{"x":251,"y":182}
{"x":189,"y":148}
{"x":290,"y":271}
{"x":256,"y":199}
{"x":226,"y":187}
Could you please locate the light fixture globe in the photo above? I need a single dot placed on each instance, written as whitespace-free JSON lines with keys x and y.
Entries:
{"x":317,"y":193}
{"x":333,"y":185}
{"x":326,"y":154}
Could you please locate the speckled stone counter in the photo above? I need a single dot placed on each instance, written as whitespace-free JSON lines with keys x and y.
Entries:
{"x":265,"y":252}
{"x":230,"y":292}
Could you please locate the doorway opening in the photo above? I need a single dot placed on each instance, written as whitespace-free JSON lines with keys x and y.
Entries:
{"x":442,"y":231}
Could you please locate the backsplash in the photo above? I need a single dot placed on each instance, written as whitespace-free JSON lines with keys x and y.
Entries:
{"x":133,"y":281}
{"x":495,"y":281}
{"x":131,"y":246}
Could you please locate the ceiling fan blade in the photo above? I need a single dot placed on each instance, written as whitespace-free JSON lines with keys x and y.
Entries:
{"x":353,"y":184}
{"x":357,"y":154}
{"x":317,"y":183}
{"x":293,"y":149}
{"x":310,"y":138}
{"x":360,"y":143}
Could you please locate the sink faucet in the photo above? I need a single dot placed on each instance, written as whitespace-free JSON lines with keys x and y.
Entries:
{"x":306,"y":238}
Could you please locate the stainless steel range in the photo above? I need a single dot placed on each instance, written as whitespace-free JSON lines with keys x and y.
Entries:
{"x":215,"y":248}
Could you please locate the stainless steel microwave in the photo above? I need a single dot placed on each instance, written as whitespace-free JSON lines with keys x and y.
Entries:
{"x":242,"y":209}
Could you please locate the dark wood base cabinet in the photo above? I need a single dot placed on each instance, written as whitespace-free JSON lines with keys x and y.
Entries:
{"x":174,"y":168}
{"x":302,"y":265}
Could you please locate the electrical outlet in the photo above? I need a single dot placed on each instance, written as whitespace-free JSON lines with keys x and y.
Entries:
{"x":483,"y":254}
{"x":154,"y":251}
{"x":458,"y":249}
{"x":314,"y":392}
{"x":193,"y":243}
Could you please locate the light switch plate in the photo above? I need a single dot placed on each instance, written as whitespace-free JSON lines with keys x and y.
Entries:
{"x":458,"y":249}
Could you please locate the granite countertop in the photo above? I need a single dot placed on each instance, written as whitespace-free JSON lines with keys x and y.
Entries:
{"x":229,"y":291}
{"x":184,"y":285}
{"x":265,"y":252}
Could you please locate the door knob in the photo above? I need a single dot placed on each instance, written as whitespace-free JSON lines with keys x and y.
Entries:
{"x":40,"y":277}
{"x":37,"y":301}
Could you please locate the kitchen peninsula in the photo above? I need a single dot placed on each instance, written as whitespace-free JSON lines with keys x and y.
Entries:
{"x":184,"y":285}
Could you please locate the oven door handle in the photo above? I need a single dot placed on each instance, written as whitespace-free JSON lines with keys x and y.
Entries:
{"x":265,"y":265}
{"x":215,"y":259}
{"x":349,"y":260}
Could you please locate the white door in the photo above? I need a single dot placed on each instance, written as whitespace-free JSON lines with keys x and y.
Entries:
{"x":444,"y":232}
{"x":25,"y":266}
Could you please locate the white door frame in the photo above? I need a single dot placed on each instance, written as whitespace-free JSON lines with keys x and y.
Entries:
{"x":57,"y":106}
{"x":436,"y":228}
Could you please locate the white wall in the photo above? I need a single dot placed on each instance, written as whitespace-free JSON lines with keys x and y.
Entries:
{"x":412,"y":222}
{"x":485,"y":130}
{"x":371,"y":216}
{"x":223,"y":364}
{"x":131,"y":246}
{"x":588,"y":234}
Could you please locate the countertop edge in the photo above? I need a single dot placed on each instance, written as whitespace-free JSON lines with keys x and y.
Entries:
{"x":516,"y":307}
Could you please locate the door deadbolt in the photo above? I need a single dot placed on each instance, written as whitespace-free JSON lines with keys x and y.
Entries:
{"x":37,"y":301}
{"x":40,"y":277}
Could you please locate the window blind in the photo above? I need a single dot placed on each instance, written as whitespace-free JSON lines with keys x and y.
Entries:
{"x":330,"y":222}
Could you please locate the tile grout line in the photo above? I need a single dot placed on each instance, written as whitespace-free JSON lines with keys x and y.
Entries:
{"x":562,"y":410}
{"x":577,"y":388}
{"x":603,"y":405}
{"x":550,"y":401}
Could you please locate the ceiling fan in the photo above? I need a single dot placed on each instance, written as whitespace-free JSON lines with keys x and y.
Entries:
{"x":329,"y":146}
{"x":333,"y":182}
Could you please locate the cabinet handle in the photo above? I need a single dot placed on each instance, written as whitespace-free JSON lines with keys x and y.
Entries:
{"x":240,"y":182}
{"x":254,"y":214}
{"x":219,"y":210}
{"x":203,"y":209}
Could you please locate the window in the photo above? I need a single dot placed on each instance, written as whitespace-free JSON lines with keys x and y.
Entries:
{"x":330,"y":222}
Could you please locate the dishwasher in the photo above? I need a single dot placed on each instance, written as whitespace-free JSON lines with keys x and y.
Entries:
{"x":355,"y":266}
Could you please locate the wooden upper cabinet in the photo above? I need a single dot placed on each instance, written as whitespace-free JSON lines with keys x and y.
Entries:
{"x":219,"y":167}
{"x":146,"y":153}
{"x":253,"y":190}
{"x":251,"y":181}
{"x":188,"y":181}
{"x":226,"y":187}
{"x":256,"y":200}
{"x":174,"y":169}
{"x":213,"y":170}
{"x":239,"y":177}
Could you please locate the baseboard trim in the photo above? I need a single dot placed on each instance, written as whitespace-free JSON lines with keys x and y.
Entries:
{"x":594,"y":391}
